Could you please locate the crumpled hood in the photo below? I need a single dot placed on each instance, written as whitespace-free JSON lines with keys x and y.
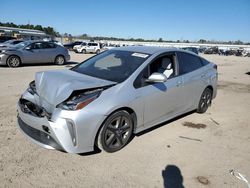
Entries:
{"x":54,"y":87}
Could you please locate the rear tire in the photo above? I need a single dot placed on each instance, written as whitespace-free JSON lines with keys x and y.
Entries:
{"x":59,"y":60}
{"x":116,"y":132}
{"x":13,"y":61}
{"x":205,"y":101}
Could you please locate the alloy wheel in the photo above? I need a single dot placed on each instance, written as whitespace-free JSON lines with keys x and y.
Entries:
{"x":116,"y":132}
{"x":13,"y":61}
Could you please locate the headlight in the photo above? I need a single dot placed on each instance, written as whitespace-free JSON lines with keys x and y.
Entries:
{"x":79,"y":101}
{"x":32,"y":87}
{"x":3,"y":52}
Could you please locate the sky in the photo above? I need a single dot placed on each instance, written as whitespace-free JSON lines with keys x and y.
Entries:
{"x":220,"y":20}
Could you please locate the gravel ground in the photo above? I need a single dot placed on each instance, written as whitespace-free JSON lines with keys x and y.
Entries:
{"x":192,"y":151}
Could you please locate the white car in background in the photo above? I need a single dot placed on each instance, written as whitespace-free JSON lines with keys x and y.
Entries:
{"x":91,"y":47}
{"x":77,"y":48}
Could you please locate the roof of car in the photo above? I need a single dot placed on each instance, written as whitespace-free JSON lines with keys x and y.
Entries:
{"x":145,"y":49}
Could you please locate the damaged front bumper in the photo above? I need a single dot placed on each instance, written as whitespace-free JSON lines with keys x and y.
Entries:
{"x":70,"y":131}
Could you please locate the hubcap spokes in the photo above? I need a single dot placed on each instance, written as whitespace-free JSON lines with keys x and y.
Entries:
{"x":60,"y":60}
{"x":117,"y":132}
{"x":14,"y":61}
{"x":205,"y":100}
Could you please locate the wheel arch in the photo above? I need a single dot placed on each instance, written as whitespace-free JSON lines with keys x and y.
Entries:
{"x":211,"y":88}
{"x":127,"y":109}
{"x":59,"y":55}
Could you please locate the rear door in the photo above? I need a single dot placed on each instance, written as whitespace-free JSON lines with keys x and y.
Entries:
{"x":193,"y":78}
{"x":48,"y":52}
{"x":92,"y":47}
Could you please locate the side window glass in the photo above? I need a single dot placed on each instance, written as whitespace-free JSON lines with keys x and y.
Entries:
{"x":204,"y":61}
{"x":36,"y":45}
{"x":164,"y":65}
{"x":188,"y":62}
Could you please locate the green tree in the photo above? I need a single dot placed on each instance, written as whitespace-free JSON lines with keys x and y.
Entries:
{"x":160,"y":40}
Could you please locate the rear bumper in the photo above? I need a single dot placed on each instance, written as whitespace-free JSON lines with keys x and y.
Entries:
{"x":61,"y":133}
{"x":67,"y":58}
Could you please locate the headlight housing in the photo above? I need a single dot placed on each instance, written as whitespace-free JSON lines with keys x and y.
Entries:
{"x":32,"y":87}
{"x":79,"y":101}
{"x":3,"y":52}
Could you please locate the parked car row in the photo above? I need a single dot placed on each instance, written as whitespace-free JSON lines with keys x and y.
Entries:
{"x":33,"y":52}
{"x":10,"y":43}
{"x":225,"y":51}
{"x":84,"y":47}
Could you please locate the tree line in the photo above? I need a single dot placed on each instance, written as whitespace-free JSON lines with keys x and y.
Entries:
{"x":52,"y":32}
{"x":48,"y":30}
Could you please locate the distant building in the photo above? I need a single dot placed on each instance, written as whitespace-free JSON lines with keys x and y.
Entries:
{"x":23,"y":33}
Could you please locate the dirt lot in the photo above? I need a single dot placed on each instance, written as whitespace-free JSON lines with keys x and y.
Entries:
{"x":193,"y":151}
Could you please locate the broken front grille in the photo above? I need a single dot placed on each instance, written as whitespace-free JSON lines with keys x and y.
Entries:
{"x":33,"y":109}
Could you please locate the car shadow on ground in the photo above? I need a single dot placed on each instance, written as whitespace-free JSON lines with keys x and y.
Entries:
{"x":67,"y":64}
{"x":172,"y":177}
{"x":97,"y":150}
{"x":164,"y":123}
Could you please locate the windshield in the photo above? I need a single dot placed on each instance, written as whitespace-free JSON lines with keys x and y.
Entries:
{"x":112,"y":65}
{"x":22,"y":44}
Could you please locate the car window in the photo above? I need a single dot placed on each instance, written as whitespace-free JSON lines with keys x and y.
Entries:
{"x":16,"y":42}
{"x":188,"y":62}
{"x":36,"y":45}
{"x":204,"y":61}
{"x":164,"y":64}
{"x":47,"y":45}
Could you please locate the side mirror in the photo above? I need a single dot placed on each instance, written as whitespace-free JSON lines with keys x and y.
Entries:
{"x":28,"y":48}
{"x":156,"y":77}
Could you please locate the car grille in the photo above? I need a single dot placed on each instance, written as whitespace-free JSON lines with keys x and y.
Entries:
{"x":33,"y":109}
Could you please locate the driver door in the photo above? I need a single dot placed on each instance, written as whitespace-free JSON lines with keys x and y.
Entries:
{"x":31,"y":53}
{"x":161,"y":100}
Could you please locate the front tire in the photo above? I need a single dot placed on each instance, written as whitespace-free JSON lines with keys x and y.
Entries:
{"x":13,"y":61}
{"x":84,"y":51}
{"x":59,"y":60}
{"x":205,"y":101}
{"x":116,"y":132}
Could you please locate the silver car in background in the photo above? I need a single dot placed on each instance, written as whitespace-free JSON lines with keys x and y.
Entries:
{"x":33,"y":52}
{"x":113,"y":95}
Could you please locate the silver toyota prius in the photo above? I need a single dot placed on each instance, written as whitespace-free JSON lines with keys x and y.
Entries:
{"x":106,"y":99}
